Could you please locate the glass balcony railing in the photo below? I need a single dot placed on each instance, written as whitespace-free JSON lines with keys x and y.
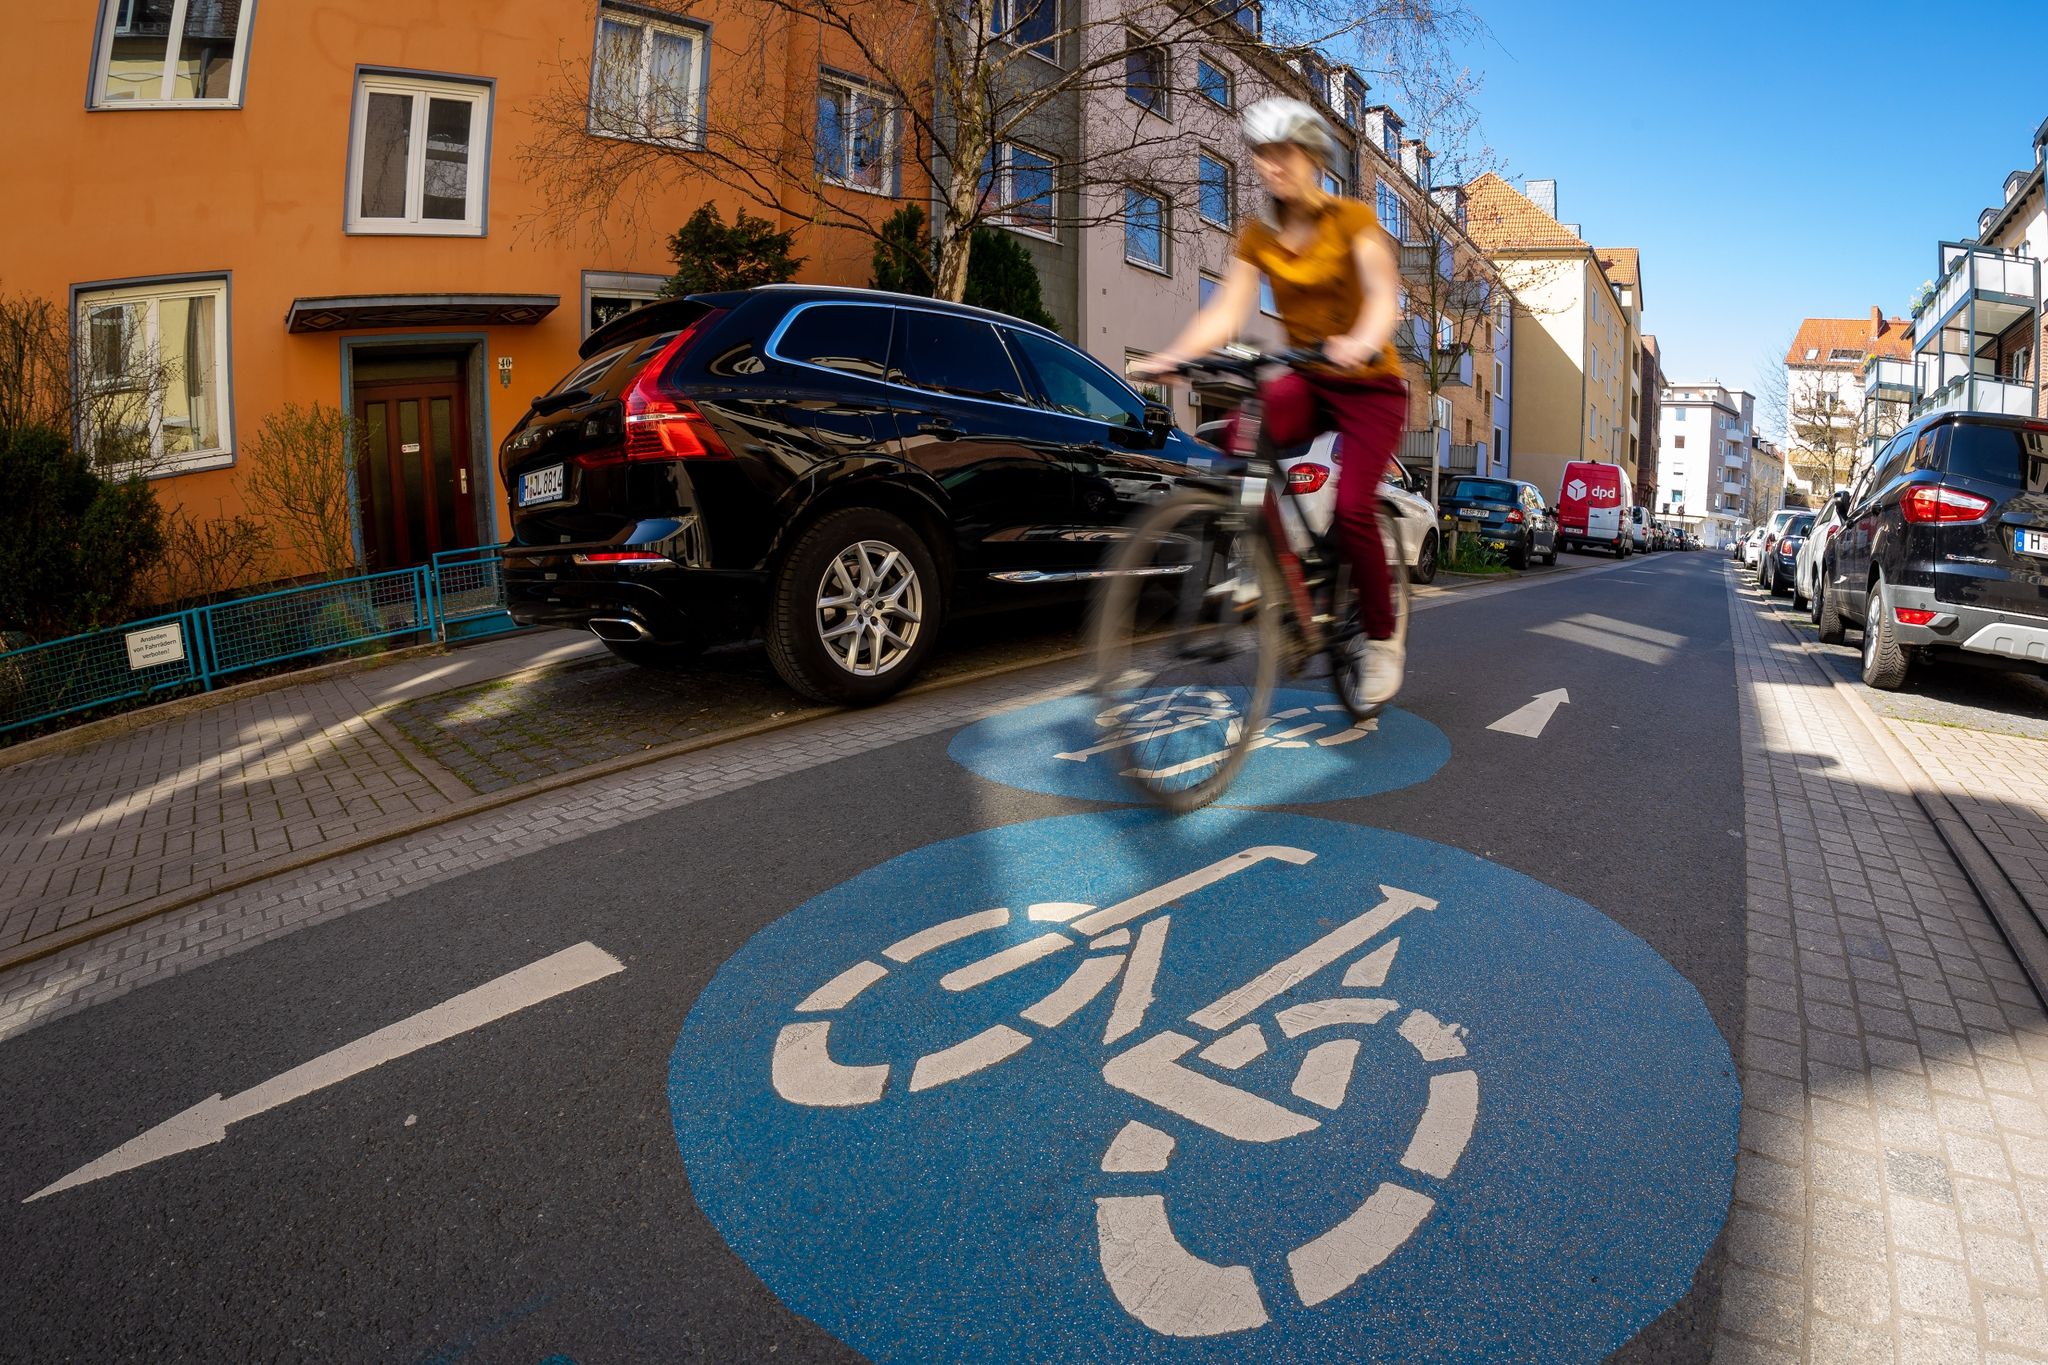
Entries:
{"x":1983,"y":393}
{"x":1887,"y":378}
{"x":1982,"y":290}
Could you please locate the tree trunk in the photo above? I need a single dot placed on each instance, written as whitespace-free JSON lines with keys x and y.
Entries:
{"x":953,"y":237}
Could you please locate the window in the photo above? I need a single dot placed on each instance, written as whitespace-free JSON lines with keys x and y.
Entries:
{"x":1151,"y":390}
{"x":1841,"y":353}
{"x":1213,"y":173}
{"x":1074,"y":384}
{"x":1354,"y":99}
{"x":647,"y":79}
{"x":1332,"y":183}
{"x":1205,"y":289}
{"x":1245,"y":14}
{"x":1144,"y":229}
{"x":1678,"y":443}
{"x":1387,"y":204}
{"x":1266,"y":304}
{"x":956,"y":355}
{"x":415,"y":157}
{"x":1145,"y":74}
{"x":1813,"y":353}
{"x":1499,"y":383}
{"x":1019,"y":183}
{"x":608,"y":296}
{"x":2016,"y":364}
{"x":180,"y":52}
{"x":1030,"y":24}
{"x":1678,"y":414}
{"x":848,"y":337}
{"x":1212,"y":82}
{"x":1501,"y":454}
{"x":856,"y":136}
{"x":153,"y":357}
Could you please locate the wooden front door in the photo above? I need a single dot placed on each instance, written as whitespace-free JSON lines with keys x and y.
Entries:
{"x":413,"y":471}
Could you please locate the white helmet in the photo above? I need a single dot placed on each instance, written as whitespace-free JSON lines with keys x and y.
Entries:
{"x":1285,"y":120}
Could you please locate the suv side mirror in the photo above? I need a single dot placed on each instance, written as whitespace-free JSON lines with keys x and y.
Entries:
{"x":1158,"y":422}
{"x":1841,"y":501}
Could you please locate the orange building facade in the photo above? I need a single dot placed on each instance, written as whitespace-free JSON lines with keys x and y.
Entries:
{"x":298,"y":202}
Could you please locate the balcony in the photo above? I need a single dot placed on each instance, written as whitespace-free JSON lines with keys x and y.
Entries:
{"x":1453,"y":368}
{"x":1983,"y":292}
{"x":1983,"y":393}
{"x":1735,"y":461}
{"x":1468,"y":459}
{"x":1421,"y":449}
{"x":1731,"y":487}
{"x":1886,"y":378}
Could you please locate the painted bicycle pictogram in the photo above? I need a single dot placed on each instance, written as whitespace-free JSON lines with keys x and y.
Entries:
{"x":1178,"y":1070}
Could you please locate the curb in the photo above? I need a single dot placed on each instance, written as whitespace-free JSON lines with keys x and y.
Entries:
{"x":2009,"y":910}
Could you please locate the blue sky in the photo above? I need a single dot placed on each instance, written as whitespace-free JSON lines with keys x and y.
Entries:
{"x":1772,"y":161}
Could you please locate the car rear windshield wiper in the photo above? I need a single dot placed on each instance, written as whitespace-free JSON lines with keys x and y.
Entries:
{"x":555,"y":402}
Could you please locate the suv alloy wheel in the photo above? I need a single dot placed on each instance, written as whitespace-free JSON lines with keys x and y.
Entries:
{"x":1885,"y":661}
{"x":854,"y":608}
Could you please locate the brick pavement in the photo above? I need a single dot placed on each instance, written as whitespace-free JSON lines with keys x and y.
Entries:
{"x":174,"y":807}
{"x":1892,"y":1187}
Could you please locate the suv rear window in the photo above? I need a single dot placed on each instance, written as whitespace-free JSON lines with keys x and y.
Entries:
{"x":839,"y":336}
{"x":606,"y":374}
{"x":2016,"y":457}
{"x":1493,"y":489}
{"x":1800,"y":525}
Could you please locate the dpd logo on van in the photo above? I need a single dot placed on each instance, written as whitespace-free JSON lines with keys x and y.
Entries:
{"x":1113,"y":1087}
{"x":1575,"y":489}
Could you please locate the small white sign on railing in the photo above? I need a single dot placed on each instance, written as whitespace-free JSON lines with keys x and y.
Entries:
{"x":157,"y":645}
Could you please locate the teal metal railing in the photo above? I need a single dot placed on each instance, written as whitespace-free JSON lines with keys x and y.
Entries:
{"x":459,"y":594}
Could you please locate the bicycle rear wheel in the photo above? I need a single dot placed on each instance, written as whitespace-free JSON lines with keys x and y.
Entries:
{"x":1344,"y":607}
{"x":1187,"y":645}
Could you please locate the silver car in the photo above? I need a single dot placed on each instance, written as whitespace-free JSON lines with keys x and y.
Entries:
{"x":1806,"y":572}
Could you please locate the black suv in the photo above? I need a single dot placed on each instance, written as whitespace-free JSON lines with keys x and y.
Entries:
{"x":833,"y":469}
{"x":1943,"y":550}
{"x":1512,"y":516}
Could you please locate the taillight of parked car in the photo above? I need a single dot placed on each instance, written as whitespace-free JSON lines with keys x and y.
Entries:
{"x":1515,"y":514}
{"x":1788,"y":549}
{"x":1931,"y":503}
{"x":1913,"y":616}
{"x":661,"y":424}
{"x":1307,"y":478}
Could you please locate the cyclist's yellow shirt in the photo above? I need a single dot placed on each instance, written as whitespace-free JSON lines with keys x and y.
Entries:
{"x":1317,"y":289}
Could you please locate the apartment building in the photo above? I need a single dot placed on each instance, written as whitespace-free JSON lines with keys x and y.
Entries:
{"x":1650,"y":384}
{"x":1576,"y":331}
{"x":293,"y":203}
{"x":1704,"y":458}
{"x":1847,"y":384}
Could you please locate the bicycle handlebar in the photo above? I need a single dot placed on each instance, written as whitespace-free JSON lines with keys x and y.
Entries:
{"x":1246,"y":364}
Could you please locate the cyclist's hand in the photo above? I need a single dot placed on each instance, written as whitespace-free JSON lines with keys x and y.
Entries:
{"x":1157,"y":366}
{"x":1347,"y":352}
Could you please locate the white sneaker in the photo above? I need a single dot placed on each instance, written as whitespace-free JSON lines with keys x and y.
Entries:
{"x":1375,"y":674}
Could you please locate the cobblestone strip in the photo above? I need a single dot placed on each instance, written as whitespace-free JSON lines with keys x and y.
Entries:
{"x":117,"y":963}
{"x":1891,"y":1196}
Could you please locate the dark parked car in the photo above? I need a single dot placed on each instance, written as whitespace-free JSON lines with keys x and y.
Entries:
{"x":837,"y":470}
{"x":1943,"y":551}
{"x":1512,"y":516}
{"x":1779,"y":567}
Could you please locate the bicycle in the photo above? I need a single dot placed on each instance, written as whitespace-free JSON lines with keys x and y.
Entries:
{"x":1255,"y":591}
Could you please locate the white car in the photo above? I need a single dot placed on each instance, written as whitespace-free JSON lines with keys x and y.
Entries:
{"x":1752,"y":548}
{"x":1827,"y":523}
{"x":1416,"y":519}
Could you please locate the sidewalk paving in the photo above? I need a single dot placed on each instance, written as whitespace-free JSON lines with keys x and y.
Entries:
{"x":1892,"y":1187}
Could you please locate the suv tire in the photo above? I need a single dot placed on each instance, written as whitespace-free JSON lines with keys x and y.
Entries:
{"x":1518,"y":558}
{"x":656,"y":653}
{"x":1827,"y":613}
{"x":1885,"y":661}
{"x":1551,"y":558}
{"x":908,"y":594}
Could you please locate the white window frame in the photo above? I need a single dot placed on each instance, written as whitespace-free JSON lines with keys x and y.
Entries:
{"x":109,"y":29}
{"x":1382,"y":191}
{"x":153,"y":294}
{"x":1229,"y":100}
{"x":1215,"y":283}
{"x":1151,"y":390}
{"x":1002,"y":19}
{"x":1164,"y":265}
{"x":1162,"y":105}
{"x":691,"y":134}
{"x":612,"y":284}
{"x":422,"y":91}
{"x":1006,"y":192}
{"x":1229,"y":187}
{"x":891,"y":134}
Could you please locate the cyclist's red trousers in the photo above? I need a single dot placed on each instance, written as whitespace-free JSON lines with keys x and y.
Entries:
{"x":1367,"y":417}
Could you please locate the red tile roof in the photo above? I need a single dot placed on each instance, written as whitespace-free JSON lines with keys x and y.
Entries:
{"x":1879,"y":335}
{"x":1499,"y":217}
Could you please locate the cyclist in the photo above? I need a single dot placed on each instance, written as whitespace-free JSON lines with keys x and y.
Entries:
{"x":1337,"y":288}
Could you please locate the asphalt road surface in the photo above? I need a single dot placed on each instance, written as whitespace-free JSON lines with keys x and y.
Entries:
{"x":1506,"y":990}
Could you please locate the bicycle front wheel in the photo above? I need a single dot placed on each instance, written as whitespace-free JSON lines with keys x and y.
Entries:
{"x":1187,"y":642}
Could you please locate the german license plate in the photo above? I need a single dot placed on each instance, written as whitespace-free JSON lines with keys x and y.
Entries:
{"x":541,"y":485}
{"x":2030,"y":542}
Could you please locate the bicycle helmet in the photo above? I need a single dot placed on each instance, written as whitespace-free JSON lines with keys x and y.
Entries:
{"x":1284,"y":120}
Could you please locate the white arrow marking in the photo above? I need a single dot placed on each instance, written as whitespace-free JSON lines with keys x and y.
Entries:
{"x":207,"y":1122}
{"x":1528,"y":721}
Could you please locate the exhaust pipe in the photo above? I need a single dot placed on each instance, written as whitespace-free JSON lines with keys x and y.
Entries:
{"x":619,"y":629}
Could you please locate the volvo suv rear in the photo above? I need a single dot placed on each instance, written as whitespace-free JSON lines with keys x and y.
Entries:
{"x":1943,"y":551}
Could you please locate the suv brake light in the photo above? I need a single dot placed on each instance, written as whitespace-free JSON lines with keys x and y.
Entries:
{"x":665,"y":426}
{"x":1931,"y":503}
{"x":1514,"y":514}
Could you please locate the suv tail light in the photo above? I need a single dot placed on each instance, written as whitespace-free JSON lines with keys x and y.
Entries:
{"x":1788,"y":549}
{"x":1930,"y":502}
{"x":660,"y":425}
{"x":1515,"y":514}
